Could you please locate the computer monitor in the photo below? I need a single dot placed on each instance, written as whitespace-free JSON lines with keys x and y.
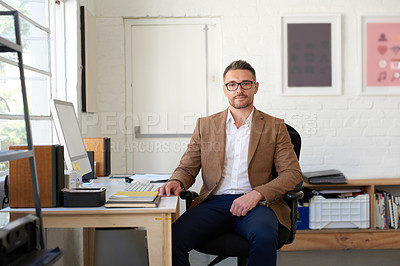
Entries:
{"x":70,"y":136}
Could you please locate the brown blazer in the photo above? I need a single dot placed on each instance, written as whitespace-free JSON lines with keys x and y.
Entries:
{"x":269,"y":143}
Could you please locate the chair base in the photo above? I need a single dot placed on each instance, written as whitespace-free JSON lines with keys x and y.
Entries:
{"x":241,"y":261}
{"x":222,"y":245}
{"x":217,"y":260}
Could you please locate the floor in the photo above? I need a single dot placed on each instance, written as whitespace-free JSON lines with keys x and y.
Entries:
{"x":318,"y":258}
{"x":71,"y":243}
{"x":340,"y":257}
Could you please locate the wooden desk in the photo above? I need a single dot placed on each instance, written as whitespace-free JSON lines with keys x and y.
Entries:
{"x":156,"y":220}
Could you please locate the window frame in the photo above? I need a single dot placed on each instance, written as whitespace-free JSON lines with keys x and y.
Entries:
{"x":55,"y":33}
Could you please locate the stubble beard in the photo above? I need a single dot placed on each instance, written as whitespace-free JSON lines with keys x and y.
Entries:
{"x":247,"y":104}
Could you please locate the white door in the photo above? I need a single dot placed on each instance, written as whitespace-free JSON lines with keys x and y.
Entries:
{"x":169,"y":76}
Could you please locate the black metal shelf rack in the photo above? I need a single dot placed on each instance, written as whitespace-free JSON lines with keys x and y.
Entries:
{"x":48,"y":256}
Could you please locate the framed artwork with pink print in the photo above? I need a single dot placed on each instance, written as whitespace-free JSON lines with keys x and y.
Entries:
{"x":380,"y":55}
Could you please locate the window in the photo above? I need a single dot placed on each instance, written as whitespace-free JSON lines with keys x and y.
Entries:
{"x":42,"y":34}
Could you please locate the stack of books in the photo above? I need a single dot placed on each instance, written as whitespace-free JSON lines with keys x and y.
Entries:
{"x":387,"y":210}
{"x":134,"y":199}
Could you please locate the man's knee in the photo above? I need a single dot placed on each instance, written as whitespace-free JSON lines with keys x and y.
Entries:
{"x":265,"y":238}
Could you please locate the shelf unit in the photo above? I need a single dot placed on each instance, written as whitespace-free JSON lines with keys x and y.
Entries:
{"x":8,"y":46}
{"x":342,"y":239}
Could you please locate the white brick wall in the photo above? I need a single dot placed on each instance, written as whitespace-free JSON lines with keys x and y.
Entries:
{"x":359,"y":135}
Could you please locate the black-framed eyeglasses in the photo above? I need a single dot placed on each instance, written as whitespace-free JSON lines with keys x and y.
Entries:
{"x":245,"y":84}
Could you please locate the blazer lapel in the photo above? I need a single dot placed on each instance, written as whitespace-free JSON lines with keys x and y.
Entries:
{"x":257,"y":127}
{"x":220,"y":137}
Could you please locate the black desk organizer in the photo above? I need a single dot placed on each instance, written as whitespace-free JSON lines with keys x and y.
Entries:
{"x":84,"y":197}
{"x":22,"y":240}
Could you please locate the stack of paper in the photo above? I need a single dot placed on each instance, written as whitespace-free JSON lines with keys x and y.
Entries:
{"x":332,"y":176}
{"x":134,"y":199}
{"x":153,"y":178}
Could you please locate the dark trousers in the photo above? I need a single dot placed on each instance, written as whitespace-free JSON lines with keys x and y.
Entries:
{"x":212,"y":218}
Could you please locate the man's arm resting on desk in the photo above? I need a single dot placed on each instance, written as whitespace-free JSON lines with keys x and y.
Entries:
{"x":173,"y":187}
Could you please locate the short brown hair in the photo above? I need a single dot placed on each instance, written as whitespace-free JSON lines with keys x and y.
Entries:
{"x":240,"y":64}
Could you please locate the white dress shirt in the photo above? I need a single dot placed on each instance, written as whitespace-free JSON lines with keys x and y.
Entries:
{"x":235,"y":178}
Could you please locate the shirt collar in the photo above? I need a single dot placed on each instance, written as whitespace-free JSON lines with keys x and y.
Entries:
{"x":229,"y":118}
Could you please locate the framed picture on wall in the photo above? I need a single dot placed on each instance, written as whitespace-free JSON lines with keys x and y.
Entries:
{"x":380,"y":48}
{"x":311,"y":54}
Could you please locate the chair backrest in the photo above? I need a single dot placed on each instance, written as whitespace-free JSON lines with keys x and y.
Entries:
{"x":296,"y":141}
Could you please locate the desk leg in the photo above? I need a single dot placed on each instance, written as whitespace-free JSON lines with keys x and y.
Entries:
{"x":88,"y":246}
{"x":175,"y":215}
{"x":159,"y":241}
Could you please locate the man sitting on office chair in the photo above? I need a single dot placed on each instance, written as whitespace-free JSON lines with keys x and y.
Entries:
{"x":236,"y":150}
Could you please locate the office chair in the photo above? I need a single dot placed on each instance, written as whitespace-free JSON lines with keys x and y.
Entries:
{"x":234,"y":245}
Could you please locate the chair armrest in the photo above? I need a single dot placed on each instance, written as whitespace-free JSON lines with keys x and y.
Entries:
{"x":292,"y":199}
{"x":294,"y":195}
{"x":188,"y":196}
{"x":298,"y":186}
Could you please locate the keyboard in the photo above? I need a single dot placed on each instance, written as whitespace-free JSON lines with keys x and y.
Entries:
{"x":139,"y":186}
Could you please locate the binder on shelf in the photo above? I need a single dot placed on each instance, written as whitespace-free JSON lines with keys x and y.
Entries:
{"x":102,"y":154}
{"x":50,"y":174}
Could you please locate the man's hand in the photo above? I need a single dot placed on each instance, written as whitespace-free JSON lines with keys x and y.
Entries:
{"x":242,"y":205}
{"x":173,"y":187}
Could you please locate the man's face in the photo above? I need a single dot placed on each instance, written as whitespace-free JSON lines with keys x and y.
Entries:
{"x":240,"y":98}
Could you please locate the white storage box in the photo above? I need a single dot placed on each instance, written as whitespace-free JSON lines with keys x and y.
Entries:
{"x":339,"y":213}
